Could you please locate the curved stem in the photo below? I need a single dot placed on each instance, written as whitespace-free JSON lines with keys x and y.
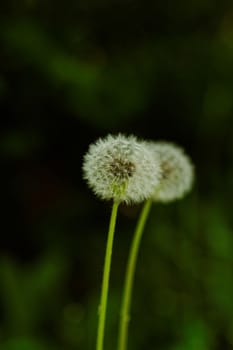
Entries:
{"x":129,"y":277}
{"x":105,"y":281}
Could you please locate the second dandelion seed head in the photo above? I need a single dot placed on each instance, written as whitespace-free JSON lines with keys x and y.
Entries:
{"x":177,"y":171}
{"x":121,"y":168}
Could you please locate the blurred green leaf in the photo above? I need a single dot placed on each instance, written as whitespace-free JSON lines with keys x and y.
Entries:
{"x":24,"y":344}
{"x":27,"y":292}
{"x":196,"y":335}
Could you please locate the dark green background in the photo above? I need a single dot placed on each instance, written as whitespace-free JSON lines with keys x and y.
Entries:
{"x":71,"y":72}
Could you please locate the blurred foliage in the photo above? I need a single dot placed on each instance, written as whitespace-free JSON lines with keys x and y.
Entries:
{"x":70,"y":73}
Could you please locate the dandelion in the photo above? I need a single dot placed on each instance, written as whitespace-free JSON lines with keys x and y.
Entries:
{"x":177,"y":171}
{"x":121,"y":169}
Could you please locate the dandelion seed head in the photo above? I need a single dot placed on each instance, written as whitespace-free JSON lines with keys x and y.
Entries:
{"x":177,"y":171}
{"x":121,"y":168}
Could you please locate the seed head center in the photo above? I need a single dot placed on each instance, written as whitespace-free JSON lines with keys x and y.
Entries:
{"x":122,"y":169}
{"x":167,"y":169}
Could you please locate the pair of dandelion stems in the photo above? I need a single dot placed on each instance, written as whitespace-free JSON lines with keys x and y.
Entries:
{"x":129,"y":276}
{"x":123,"y":169}
{"x":106,"y":275}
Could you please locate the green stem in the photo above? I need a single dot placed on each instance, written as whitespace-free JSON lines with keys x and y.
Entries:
{"x":129,"y":277}
{"x":105,"y":281}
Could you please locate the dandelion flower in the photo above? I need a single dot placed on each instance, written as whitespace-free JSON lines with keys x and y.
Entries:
{"x":121,"y":168}
{"x":176,"y":170}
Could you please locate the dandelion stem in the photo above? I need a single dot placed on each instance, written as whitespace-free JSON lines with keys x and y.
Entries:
{"x":129,"y":277}
{"x":105,"y":281}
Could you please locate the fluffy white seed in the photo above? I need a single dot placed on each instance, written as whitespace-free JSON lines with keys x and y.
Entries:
{"x":176,"y":169}
{"x":121,"y":168}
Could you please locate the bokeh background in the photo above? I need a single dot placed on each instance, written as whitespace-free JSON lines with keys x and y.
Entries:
{"x":74,"y":71}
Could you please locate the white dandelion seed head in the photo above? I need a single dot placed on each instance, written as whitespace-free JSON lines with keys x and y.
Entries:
{"x":121,"y":168}
{"x":176,"y":169}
